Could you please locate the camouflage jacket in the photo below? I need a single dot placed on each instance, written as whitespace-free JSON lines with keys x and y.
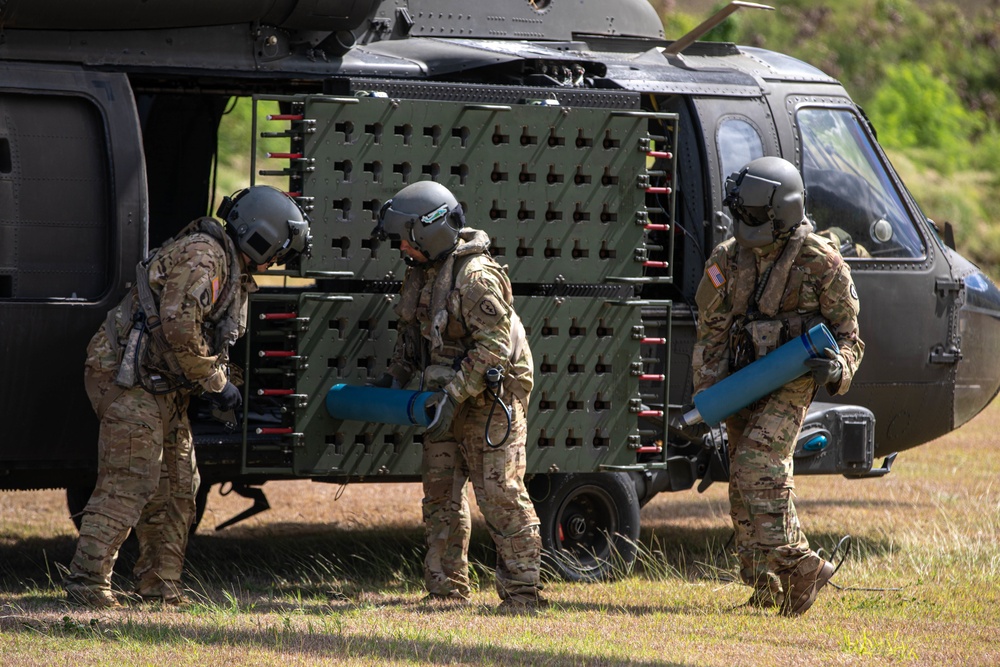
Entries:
{"x":190,"y":280}
{"x":474,"y":327}
{"x":819,"y":288}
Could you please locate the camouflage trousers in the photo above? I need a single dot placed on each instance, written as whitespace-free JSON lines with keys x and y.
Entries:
{"x":147,"y":480}
{"x":769,"y":540}
{"x":497,"y":476}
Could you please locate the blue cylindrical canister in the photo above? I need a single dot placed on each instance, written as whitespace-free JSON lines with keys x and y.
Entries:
{"x":735,"y":392}
{"x":378,"y":405}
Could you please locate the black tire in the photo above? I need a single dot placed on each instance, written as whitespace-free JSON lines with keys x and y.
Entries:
{"x":589,"y":524}
{"x":77,"y":497}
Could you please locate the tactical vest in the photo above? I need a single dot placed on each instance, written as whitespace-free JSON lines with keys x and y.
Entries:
{"x":758,"y":328}
{"x":146,"y":358}
{"x":449,"y":338}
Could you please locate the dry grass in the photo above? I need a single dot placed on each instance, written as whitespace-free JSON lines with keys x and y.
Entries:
{"x":321,"y":579}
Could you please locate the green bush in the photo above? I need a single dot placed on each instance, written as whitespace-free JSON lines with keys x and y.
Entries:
{"x":914,"y":108}
{"x":235,"y":135}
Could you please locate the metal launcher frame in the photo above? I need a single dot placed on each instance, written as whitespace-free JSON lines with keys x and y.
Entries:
{"x":577,"y":200}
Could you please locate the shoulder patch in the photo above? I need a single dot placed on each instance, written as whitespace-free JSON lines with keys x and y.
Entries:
{"x":487,"y":312}
{"x":206,"y":292}
{"x":715,"y":275}
{"x":476,"y":292}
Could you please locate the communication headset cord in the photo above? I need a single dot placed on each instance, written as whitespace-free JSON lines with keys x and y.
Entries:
{"x":494,"y":376}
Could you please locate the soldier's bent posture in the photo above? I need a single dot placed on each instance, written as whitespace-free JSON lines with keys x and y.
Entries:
{"x":169,"y":338}
{"x":770,"y":283}
{"x":456,"y":322}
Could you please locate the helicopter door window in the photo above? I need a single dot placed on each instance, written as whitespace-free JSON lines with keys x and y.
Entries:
{"x":55,"y":225}
{"x":849,"y":195}
{"x":739,"y":143}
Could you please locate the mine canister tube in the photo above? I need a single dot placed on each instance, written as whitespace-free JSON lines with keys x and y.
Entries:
{"x":760,"y":378}
{"x":378,"y":405}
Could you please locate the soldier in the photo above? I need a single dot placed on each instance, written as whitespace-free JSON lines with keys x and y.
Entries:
{"x":770,"y":283}
{"x":457,"y":327}
{"x":169,"y":338}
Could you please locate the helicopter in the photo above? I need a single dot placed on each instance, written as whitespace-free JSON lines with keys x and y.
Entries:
{"x":590,"y":147}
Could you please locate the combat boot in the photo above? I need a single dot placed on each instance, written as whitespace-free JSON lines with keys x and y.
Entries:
{"x":522,"y":603}
{"x":89,"y":596}
{"x":446,"y":599}
{"x":802,"y":584}
{"x":766,"y":596}
{"x":166,"y":593}
{"x":767,"y":592}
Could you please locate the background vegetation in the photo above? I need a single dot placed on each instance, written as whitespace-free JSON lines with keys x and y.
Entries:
{"x":234,"y":169}
{"x":927,"y":74}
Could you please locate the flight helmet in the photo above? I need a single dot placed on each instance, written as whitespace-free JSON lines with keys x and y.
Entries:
{"x":767,"y":200}
{"x":427,"y":215}
{"x":266,"y":224}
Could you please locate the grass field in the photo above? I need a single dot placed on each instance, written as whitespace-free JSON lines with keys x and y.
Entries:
{"x":332,"y":575}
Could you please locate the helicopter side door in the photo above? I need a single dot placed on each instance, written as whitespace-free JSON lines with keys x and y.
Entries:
{"x":730,"y":132}
{"x":735,"y":131}
{"x":72,"y":226}
{"x":718,"y":135}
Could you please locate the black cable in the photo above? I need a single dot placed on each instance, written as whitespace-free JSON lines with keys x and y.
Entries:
{"x":722,"y":447}
{"x":849,"y":542}
{"x":489,"y":419}
{"x":686,"y":232}
{"x":494,"y":379}
{"x":847,"y":551}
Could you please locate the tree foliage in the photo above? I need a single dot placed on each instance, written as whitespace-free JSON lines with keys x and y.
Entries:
{"x":913,"y":108}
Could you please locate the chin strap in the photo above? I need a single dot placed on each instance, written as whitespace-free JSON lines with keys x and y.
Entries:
{"x":785,"y":235}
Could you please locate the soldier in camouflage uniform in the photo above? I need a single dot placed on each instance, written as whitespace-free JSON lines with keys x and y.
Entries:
{"x":770,"y":283}
{"x":168,"y":339}
{"x":456,"y":322}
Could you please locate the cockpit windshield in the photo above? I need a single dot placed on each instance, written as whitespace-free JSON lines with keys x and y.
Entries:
{"x":849,"y":196}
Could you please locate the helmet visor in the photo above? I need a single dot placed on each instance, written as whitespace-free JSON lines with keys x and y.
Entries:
{"x":299,"y":242}
{"x":393,"y":224}
{"x":750,"y":197}
{"x":754,"y":216}
{"x":754,"y":191}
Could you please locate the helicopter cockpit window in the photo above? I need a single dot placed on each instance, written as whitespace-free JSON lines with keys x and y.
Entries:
{"x":849,"y":196}
{"x":739,"y":143}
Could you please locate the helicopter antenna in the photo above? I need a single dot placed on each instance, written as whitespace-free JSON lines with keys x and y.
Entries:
{"x":718,"y":17}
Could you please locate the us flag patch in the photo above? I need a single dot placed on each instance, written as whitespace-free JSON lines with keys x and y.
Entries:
{"x":715,"y":275}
